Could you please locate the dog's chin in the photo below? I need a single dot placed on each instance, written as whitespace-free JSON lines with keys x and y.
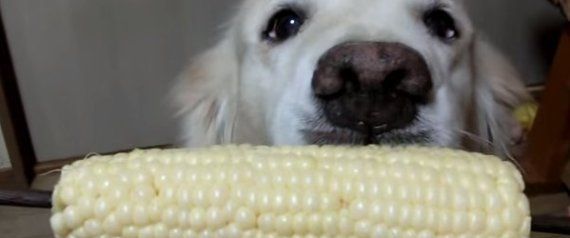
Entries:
{"x":322,"y":133}
{"x":344,"y":137}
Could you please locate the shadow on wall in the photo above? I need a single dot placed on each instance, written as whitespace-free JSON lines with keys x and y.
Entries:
{"x":4,"y":159}
{"x":527,"y":31}
{"x":546,"y":37}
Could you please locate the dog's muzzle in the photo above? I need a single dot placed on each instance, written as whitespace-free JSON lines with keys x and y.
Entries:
{"x":371,"y":87}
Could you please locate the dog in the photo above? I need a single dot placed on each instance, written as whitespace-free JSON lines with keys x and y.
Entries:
{"x":297,"y":72}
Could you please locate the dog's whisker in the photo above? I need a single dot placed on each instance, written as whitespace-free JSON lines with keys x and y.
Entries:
{"x":474,"y":137}
{"x":478,"y":140}
{"x":484,"y":142}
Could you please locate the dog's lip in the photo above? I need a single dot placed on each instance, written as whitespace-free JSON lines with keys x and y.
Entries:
{"x":319,"y":131}
{"x":340,"y":136}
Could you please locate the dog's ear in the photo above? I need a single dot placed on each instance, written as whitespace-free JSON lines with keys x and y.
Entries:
{"x":205,"y":97}
{"x":499,"y":90}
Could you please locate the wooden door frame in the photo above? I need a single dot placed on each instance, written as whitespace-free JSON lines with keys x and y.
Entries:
{"x":549,"y":140}
{"x":14,"y":124}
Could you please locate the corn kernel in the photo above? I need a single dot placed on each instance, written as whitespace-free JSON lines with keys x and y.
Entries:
{"x":247,"y":191}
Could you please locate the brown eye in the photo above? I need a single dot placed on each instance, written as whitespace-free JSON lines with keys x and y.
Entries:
{"x":283,"y":25}
{"x":441,"y":24}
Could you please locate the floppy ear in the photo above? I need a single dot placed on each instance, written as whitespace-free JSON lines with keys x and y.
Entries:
{"x":206,"y":97}
{"x":499,"y":90}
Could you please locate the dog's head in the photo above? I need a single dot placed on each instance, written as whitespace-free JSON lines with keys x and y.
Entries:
{"x":351,"y":72}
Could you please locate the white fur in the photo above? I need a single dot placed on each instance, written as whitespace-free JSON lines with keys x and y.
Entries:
{"x":245,"y":90}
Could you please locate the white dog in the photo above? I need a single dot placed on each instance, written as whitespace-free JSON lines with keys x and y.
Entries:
{"x":300,"y":72}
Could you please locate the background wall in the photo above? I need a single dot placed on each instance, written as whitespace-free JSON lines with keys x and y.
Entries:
{"x":95,"y":74}
{"x":4,"y":159}
{"x":526,"y":31}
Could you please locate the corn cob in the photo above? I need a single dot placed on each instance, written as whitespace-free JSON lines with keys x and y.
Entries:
{"x":247,"y":191}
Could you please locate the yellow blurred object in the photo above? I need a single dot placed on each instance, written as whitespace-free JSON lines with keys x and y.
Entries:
{"x":525,"y":114}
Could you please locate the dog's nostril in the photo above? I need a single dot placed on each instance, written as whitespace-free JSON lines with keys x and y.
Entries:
{"x":350,"y":78}
{"x":394,"y":78}
{"x":347,"y":73}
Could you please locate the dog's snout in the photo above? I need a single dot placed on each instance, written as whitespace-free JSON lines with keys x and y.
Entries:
{"x":371,"y":87}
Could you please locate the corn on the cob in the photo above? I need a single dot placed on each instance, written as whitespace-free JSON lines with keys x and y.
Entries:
{"x":245,"y":191}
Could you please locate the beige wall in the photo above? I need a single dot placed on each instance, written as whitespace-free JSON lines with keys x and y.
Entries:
{"x":94,"y":74}
{"x":525,"y":30}
{"x":4,"y":159}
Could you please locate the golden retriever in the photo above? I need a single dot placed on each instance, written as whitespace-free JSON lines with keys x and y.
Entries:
{"x":295,"y":72}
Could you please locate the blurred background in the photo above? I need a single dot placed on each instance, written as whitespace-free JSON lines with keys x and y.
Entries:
{"x":94,"y":75}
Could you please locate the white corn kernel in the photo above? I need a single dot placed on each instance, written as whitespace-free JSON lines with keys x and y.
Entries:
{"x":247,"y":191}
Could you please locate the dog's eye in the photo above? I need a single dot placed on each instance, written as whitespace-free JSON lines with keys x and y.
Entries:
{"x":441,"y":24}
{"x":283,"y":25}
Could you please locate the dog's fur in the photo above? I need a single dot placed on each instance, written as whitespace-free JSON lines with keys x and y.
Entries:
{"x":246,"y":90}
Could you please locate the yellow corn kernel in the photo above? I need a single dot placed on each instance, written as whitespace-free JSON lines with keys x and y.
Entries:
{"x":248,"y":191}
{"x":525,"y":114}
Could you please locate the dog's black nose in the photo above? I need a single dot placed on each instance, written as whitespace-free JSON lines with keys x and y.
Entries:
{"x":371,"y":87}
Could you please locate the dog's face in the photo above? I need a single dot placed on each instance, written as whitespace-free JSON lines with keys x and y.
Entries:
{"x":357,"y":71}
{"x":350,"y":72}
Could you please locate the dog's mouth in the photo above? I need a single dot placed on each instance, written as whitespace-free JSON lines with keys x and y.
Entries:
{"x":320,"y":132}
